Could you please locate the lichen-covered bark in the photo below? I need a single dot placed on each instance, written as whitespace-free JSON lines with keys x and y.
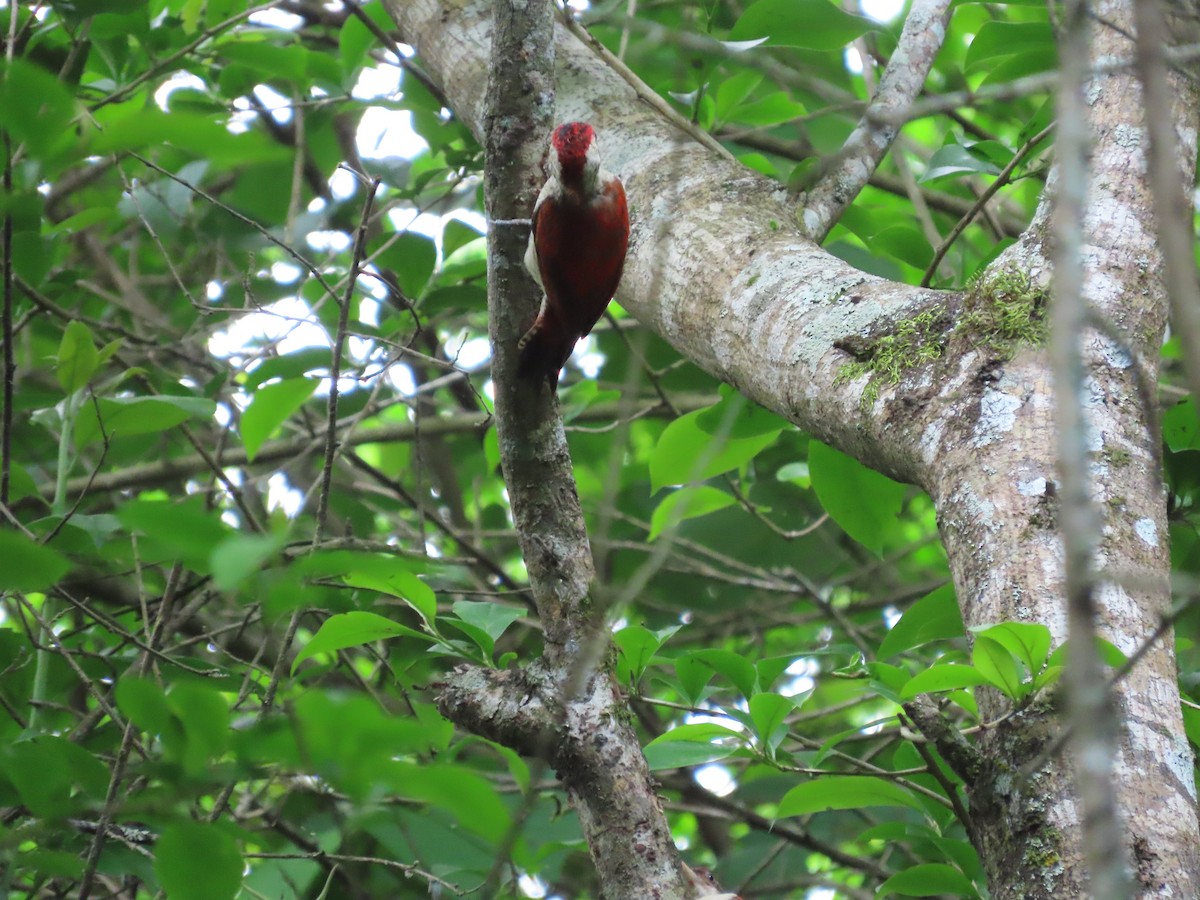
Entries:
{"x":596,"y":756}
{"x":993,"y":477}
{"x":975,"y":427}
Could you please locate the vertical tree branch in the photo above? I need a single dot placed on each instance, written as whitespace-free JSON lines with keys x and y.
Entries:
{"x":533,"y":447}
{"x":581,"y":731}
{"x":1092,"y":716}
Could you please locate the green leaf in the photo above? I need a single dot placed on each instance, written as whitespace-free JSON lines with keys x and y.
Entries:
{"x":771,"y":668}
{"x":773,"y":109}
{"x":42,"y":779}
{"x":491,"y":448}
{"x":186,"y":530}
{"x":693,"y":676}
{"x":37,"y":110}
{"x":733,"y":666}
{"x":456,"y":233}
{"x":78,"y":223}
{"x":134,"y":126}
{"x":1027,"y":641}
{"x":995,"y":663}
{"x":387,"y":574}
{"x":887,"y":679}
{"x":241,"y":555}
{"x":484,"y":622}
{"x":26,"y":565}
{"x":145,"y":703}
{"x":1180,"y":427}
{"x":77,"y":357}
{"x":467,"y":262}
{"x":769,"y":713}
{"x":204,"y":716}
{"x":493,"y":618}
{"x":1020,"y":65}
{"x":935,"y":617}
{"x":352,"y":629}
{"x":395,"y":579}
{"x":1191,"y":724}
{"x":928,"y":880}
{"x":826,"y":748}
{"x":265,"y":54}
{"x":863,"y":502}
{"x":906,"y":243}
{"x":687,"y":453}
{"x":197,"y":861}
{"x":734,"y":90}
{"x":795,"y":472}
{"x":947,"y":677}
{"x":996,"y":39}
{"x":844,"y":792}
{"x":127,"y":416}
{"x":1047,"y":677}
{"x":412,"y":257}
{"x":1110,"y":654}
{"x":733,"y":416}
{"x":355,"y":39}
{"x":467,"y":796}
{"x":954,"y":160}
{"x":478,"y":637}
{"x":291,"y":365}
{"x":637,"y":646}
{"x":692,"y":745}
{"x":270,"y":408}
{"x":687,"y":503}
{"x":45,"y":771}
{"x":52,"y":863}
{"x":812,"y":24}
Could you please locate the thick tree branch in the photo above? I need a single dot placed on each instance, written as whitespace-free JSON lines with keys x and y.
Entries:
{"x":770,"y":317}
{"x":922,"y":37}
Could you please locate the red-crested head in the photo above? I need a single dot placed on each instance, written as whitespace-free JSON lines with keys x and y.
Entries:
{"x":571,"y":142}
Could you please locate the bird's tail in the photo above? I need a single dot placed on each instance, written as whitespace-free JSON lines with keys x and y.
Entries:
{"x":545,"y":349}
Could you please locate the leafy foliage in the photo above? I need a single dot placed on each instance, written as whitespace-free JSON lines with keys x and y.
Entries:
{"x":223,"y":630}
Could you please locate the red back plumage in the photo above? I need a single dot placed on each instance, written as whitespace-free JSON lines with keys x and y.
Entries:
{"x":580,"y":234}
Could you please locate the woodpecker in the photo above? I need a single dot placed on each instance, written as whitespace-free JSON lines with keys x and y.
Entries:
{"x":576,"y":250}
{"x":705,"y":883}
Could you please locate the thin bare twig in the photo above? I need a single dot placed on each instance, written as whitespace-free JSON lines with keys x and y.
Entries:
{"x":1000,"y":181}
{"x":335,"y":370}
{"x":291,"y":251}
